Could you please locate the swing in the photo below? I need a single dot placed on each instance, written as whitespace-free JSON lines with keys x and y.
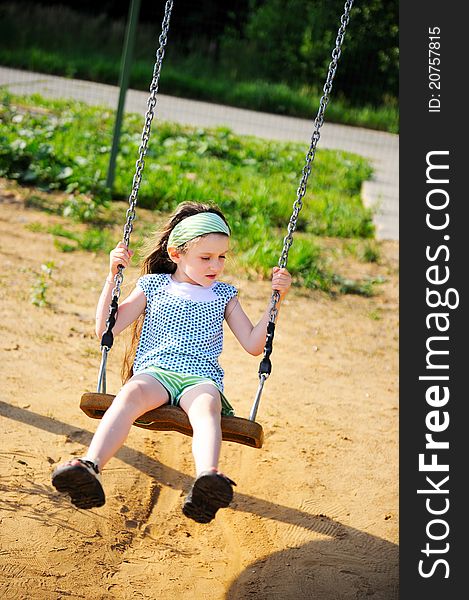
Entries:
{"x":172,"y":418}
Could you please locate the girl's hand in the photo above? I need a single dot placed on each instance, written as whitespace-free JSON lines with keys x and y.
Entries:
{"x":119,"y":256}
{"x":281,"y":281}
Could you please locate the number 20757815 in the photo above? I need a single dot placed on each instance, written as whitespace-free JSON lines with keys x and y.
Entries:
{"x":434,"y":70}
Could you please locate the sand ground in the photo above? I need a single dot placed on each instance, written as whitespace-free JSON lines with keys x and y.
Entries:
{"x":315,"y":510}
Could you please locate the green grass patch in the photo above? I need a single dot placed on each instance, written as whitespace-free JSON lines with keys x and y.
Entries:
{"x":371,"y":252}
{"x":364,"y":250}
{"x":56,"y":145}
{"x":90,"y":239}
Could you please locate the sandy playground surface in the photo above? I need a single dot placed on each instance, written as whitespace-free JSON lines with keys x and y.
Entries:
{"x":315,"y":510}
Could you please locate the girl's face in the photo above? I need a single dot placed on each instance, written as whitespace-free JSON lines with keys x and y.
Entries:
{"x":204,"y":260}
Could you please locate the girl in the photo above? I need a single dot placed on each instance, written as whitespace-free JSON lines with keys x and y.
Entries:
{"x":177,"y":310}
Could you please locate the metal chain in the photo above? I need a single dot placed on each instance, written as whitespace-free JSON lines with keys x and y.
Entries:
{"x":140,"y":164}
{"x":318,"y":121}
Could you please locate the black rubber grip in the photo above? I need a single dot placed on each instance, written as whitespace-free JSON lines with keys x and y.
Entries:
{"x":265,"y":366}
{"x":108,"y":337}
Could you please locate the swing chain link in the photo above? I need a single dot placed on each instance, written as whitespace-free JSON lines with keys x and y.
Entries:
{"x":318,"y":122}
{"x":107,"y":339}
{"x":265,"y":366}
{"x":142,"y":150}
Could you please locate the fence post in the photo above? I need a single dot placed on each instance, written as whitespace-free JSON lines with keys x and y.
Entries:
{"x":126,"y":63}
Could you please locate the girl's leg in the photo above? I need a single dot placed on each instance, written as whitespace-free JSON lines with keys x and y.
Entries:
{"x":211,"y":489}
{"x":80,"y":477}
{"x":139,"y":395}
{"x":203,"y":407}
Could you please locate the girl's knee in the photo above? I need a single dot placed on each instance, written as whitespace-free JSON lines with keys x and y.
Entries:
{"x":130,"y":396}
{"x":211,"y":402}
{"x":202,"y":401}
{"x":132,"y":389}
{"x":139,"y":396}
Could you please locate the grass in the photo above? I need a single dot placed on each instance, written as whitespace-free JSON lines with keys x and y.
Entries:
{"x":56,"y":145}
{"x":90,"y":239}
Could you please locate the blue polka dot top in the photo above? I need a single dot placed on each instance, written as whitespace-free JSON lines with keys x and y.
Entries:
{"x":183,"y":326}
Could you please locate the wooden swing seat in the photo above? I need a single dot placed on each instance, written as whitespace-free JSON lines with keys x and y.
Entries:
{"x":173,"y":418}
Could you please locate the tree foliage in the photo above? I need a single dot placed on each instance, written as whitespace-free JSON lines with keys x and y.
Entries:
{"x":291,"y":41}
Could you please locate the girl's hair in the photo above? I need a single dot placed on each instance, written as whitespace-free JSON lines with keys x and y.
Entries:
{"x":156,"y":260}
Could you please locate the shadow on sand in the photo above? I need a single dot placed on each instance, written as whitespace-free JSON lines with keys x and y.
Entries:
{"x":343,"y":563}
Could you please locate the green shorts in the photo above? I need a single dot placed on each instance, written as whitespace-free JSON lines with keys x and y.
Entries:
{"x":177,"y":384}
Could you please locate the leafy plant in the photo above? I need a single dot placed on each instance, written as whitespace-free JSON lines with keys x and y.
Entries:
{"x":82,"y":208}
{"x":41,"y":285}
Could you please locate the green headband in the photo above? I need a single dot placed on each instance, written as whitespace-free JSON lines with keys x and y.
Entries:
{"x":195,"y":226}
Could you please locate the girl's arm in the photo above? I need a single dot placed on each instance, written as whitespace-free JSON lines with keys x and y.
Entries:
{"x":252,"y":337}
{"x":132,"y":307}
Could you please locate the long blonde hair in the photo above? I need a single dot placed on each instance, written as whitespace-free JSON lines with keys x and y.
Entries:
{"x":157,"y":260}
